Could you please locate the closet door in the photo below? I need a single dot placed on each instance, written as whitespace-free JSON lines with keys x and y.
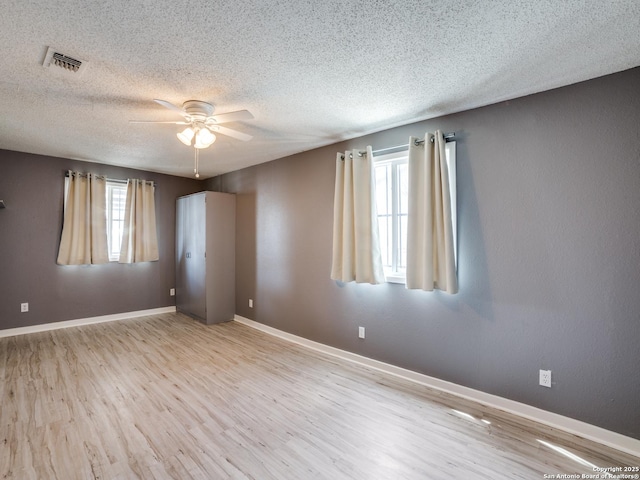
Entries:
{"x":195,"y":261}
{"x":205,"y":256}
{"x":182,"y":293}
{"x":190,"y":252}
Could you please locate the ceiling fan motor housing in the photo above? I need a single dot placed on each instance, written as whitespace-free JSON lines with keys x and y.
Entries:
{"x":198,"y":110}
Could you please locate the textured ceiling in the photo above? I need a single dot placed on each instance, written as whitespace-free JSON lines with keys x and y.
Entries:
{"x":312,"y":72}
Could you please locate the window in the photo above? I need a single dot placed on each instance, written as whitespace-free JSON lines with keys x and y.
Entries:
{"x":391,"y":202}
{"x":94,"y":242}
{"x":391,"y":176}
{"x":116,"y":193}
{"x":116,"y":201}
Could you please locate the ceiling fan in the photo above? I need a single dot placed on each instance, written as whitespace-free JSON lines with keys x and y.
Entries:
{"x":202,"y":123}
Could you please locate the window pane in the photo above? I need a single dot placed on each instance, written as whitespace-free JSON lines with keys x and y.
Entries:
{"x":384,"y":222}
{"x":116,"y":198}
{"x":403,"y":210}
{"x":403,"y":188}
{"x":402,"y":243}
{"x":391,"y":201}
{"x":383,"y":199}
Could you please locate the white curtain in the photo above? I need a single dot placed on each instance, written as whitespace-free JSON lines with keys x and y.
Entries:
{"x":84,"y":231}
{"x":356,"y":246}
{"x":430,"y":246}
{"x":139,"y":237}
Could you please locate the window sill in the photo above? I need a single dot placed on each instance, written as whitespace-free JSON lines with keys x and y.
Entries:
{"x":391,"y":278}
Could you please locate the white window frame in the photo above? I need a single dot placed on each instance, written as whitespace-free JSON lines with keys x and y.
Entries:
{"x":115,"y":217}
{"x":392,"y":273}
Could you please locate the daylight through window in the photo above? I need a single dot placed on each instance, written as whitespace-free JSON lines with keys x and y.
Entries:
{"x":391,"y":202}
{"x":116,"y":200}
{"x":392,"y":184}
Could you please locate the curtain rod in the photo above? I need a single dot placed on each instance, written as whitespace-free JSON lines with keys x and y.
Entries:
{"x":114,"y":180}
{"x":448,"y":137}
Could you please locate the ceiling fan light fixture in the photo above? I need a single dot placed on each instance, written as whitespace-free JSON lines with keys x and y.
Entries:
{"x":186,"y":136}
{"x":204,"y":138}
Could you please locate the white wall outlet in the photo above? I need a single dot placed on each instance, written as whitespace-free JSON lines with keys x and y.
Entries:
{"x":172,"y":292}
{"x":360,"y":332}
{"x":24,"y":307}
{"x":545,"y":378}
{"x":251,"y":303}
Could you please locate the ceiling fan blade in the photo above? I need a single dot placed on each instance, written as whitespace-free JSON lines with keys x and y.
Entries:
{"x":231,"y":133}
{"x":232,"y":116}
{"x":170,"y":106}
{"x":151,"y":121}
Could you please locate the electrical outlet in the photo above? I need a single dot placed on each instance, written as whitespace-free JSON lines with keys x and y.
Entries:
{"x":545,"y":378}
{"x":172,"y":292}
{"x":360,"y":332}
{"x":251,"y":303}
{"x":24,"y":307}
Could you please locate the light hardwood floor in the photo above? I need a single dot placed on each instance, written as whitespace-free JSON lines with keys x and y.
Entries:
{"x":167,"y":397}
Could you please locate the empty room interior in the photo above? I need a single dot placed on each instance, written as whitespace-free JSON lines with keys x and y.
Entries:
{"x":319,"y":240}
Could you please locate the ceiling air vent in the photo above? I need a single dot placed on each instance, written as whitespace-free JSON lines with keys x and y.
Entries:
{"x":63,"y":61}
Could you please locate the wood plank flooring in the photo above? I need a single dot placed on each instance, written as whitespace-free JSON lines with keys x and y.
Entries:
{"x":167,"y":397}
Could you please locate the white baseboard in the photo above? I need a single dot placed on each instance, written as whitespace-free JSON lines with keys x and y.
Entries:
{"x":10,"y":332}
{"x":576,"y":427}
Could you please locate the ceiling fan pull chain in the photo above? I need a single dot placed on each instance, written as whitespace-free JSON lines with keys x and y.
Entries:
{"x":197,"y":161}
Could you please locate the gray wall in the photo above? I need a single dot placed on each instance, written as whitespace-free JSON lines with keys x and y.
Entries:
{"x":549,"y":255}
{"x":30,"y":227}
